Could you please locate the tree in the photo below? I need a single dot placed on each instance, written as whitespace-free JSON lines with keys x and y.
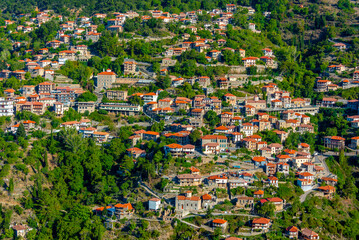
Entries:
{"x":212,"y":118}
{"x":195,"y":136}
{"x":55,"y":123}
{"x":87,"y":97}
{"x":71,"y":115}
{"x":266,"y":209}
{"x":164,"y":82}
{"x":77,"y":71}
{"x":136,"y":100}
{"x":108,"y":45}
{"x":252,"y":70}
{"x":20,"y":132}
{"x":11,"y":186}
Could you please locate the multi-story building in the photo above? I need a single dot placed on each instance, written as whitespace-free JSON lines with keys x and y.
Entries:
{"x":27,"y":90}
{"x":189,"y":179}
{"x":150,"y":135}
{"x":245,"y":202}
{"x":34,"y":107}
{"x":6,"y":107}
{"x":94,"y":36}
{"x":226,"y":117}
{"x":154,"y":204}
{"x":150,"y":97}
{"x":105,"y":79}
{"x":334,"y":142}
{"x":219,"y":223}
{"x":101,"y":136}
{"x":328,"y":102}
{"x":354,"y":143}
{"x":217,"y":181}
{"x":116,"y":95}
{"x":82,"y":107}
{"x":209,"y":140}
{"x":292,"y":232}
{"x":261,"y":223}
{"x":179,"y":150}
{"x":122,"y":108}
{"x":299,"y":160}
{"x":249,"y":61}
{"x":188,"y":202}
{"x":45,"y":87}
{"x":231,"y":8}
{"x":130,"y":67}
{"x":322,"y":85}
{"x":356,"y":76}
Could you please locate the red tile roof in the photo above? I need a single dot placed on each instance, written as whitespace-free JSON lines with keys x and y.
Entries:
{"x":261,"y":221}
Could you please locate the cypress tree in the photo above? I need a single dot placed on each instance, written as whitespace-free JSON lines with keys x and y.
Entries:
{"x":20,"y":131}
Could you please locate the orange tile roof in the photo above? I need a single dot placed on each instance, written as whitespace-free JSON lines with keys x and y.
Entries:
{"x":194,"y":169}
{"x":125,"y":205}
{"x":194,"y":198}
{"x":273,"y":178}
{"x":306,"y":174}
{"x":206,"y":197}
{"x":327,"y":188}
{"x":337,"y":138}
{"x":329,"y":179}
{"x":305,"y":145}
{"x":221,"y":128}
{"x":261,"y":220}
{"x":259,"y":192}
{"x":219,"y":221}
{"x":214,"y":137}
{"x":28,"y":121}
{"x":174,"y":145}
{"x":101,"y":133}
{"x":259,"y":159}
{"x":151,"y":133}
{"x":106,"y":73}
{"x":292,"y":229}
{"x":9,"y":90}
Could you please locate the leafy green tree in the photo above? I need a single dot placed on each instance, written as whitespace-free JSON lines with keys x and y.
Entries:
{"x":78,"y":72}
{"x":267,"y":209}
{"x":71,"y":115}
{"x":108,"y":45}
{"x":195,"y":136}
{"x":20,"y":132}
{"x":136,"y":100}
{"x":164,"y":82}
{"x":212,"y":118}
{"x":87,"y":97}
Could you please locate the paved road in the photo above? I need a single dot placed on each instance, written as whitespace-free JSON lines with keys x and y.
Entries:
{"x":147,"y":39}
{"x":205,"y":227}
{"x":152,"y":192}
{"x":321,"y":159}
{"x":305,"y":195}
{"x":189,"y":224}
{"x":222,"y":214}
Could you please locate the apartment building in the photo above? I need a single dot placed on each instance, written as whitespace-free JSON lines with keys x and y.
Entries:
{"x":6,"y":107}
{"x":334,"y":142}
{"x":116,"y":95}
{"x":82,"y":107}
{"x":130,"y":67}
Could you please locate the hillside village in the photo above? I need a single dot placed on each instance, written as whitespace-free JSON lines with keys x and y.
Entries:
{"x":200,"y":131}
